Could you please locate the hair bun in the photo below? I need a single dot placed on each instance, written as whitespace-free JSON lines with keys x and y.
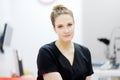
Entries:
{"x":59,"y":7}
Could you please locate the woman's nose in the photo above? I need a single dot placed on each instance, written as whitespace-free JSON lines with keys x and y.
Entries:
{"x":66,"y":30}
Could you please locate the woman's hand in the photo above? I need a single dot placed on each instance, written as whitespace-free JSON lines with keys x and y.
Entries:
{"x":88,"y":78}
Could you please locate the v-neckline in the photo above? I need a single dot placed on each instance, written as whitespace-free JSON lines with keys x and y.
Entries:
{"x":66,"y":57}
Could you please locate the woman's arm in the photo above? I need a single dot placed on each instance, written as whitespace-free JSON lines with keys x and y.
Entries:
{"x":88,"y":78}
{"x":52,"y":76}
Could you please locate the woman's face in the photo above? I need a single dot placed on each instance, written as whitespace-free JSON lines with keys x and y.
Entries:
{"x":64,"y":27}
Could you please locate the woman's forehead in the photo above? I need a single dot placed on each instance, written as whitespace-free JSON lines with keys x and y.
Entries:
{"x":64,"y":18}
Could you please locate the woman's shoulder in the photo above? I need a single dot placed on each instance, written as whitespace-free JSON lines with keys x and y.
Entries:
{"x":47,"y":46}
{"x":80,"y":46}
{"x":47,"y":49}
{"x":84,"y":51}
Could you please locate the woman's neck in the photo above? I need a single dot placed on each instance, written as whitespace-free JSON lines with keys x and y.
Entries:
{"x":64,"y":45}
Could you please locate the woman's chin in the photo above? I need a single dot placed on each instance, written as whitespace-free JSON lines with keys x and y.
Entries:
{"x":67,"y":40}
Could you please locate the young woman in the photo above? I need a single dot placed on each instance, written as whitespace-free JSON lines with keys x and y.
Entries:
{"x":63,"y":59}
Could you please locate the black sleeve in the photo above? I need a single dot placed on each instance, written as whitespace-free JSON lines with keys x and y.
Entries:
{"x":45,"y":62}
{"x":89,"y":65}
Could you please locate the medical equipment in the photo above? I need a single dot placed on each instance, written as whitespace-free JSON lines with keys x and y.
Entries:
{"x":112,"y":49}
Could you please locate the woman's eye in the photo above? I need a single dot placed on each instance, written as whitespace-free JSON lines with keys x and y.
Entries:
{"x":60,"y":26}
{"x":70,"y":24}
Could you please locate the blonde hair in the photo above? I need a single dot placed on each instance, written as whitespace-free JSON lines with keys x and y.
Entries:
{"x":58,"y":10}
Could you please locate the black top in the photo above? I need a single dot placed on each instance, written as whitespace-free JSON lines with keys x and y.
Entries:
{"x":50,"y":59}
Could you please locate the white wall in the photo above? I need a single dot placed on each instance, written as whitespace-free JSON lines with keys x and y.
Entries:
{"x":32,"y":28}
{"x":4,"y":13}
{"x":99,"y":19}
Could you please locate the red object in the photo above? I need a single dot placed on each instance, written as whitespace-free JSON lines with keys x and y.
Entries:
{"x":17,"y":78}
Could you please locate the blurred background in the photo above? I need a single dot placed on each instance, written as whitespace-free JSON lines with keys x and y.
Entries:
{"x":29,"y":27}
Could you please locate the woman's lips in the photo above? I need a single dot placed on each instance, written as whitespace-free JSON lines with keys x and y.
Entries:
{"x":66,"y":35}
